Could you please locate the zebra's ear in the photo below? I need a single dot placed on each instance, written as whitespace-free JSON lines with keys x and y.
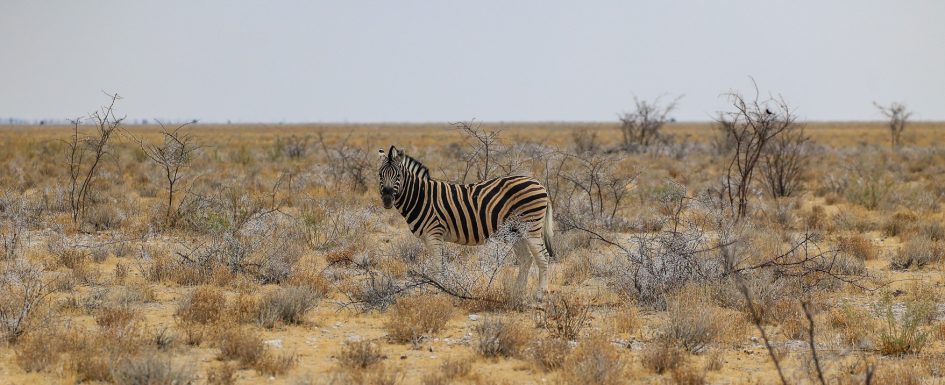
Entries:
{"x":381,"y":154}
{"x":394,"y":154}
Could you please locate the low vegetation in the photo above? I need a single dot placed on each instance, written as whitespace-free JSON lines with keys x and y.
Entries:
{"x":817,"y":255}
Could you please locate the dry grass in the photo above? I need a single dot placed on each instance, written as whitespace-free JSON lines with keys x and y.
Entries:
{"x":412,"y":318}
{"x":271,"y":249}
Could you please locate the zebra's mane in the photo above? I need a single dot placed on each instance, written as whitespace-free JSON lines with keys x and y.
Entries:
{"x":415,"y":167}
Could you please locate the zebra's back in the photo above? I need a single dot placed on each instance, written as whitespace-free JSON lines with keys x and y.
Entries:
{"x":471,"y":213}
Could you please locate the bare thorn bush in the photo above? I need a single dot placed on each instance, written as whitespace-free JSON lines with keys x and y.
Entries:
{"x":25,"y":292}
{"x":86,"y":154}
{"x":641,"y":127}
{"x":174,"y":156}
{"x":751,"y":127}
{"x":898,"y":115}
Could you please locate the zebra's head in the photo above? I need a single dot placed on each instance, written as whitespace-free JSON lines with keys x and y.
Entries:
{"x":391,"y":175}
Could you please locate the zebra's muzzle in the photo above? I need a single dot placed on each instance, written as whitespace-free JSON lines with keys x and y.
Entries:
{"x":388,"y":201}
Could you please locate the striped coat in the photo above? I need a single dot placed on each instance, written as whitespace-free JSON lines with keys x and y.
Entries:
{"x":468,"y":214}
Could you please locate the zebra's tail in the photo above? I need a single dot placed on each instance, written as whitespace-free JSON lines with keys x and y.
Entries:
{"x":548,"y":230}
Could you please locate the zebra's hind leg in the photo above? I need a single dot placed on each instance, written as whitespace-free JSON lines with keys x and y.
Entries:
{"x":536,"y":245}
{"x":434,"y":248}
{"x":524,"y":256}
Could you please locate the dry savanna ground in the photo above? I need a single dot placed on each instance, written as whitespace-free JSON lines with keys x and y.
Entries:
{"x":274,"y":262}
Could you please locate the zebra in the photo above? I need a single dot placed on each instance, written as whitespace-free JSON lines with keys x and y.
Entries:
{"x":467,"y":214}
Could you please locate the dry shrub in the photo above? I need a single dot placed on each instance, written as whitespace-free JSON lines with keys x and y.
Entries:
{"x":501,"y":337}
{"x":223,"y":374}
{"x":412,"y":318}
{"x":917,"y":253}
{"x":203,"y":305}
{"x":662,"y":356}
{"x":241,"y":344}
{"x":899,"y":223}
{"x":694,"y":321}
{"x":450,"y":371}
{"x":594,"y":361}
{"x":858,"y":246}
{"x":360,"y":355}
{"x":564,"y":315}
{"x":549,"y":354}
{"x":286,"y":304}
{"x":151,"y":369}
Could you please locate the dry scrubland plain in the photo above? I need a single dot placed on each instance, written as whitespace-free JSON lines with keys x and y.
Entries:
{"x":276,"y":263}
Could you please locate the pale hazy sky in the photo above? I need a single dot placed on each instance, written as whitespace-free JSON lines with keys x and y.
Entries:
{"x":368,"y":61}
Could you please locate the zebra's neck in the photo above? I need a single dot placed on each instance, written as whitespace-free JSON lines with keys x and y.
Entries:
{"x":412,"y":199}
